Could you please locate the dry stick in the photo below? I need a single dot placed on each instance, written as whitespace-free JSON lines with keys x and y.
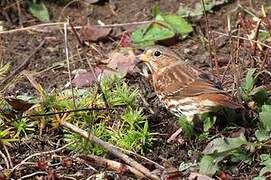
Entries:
{"x":19,"y":13}
{"x":62,"y":112}
{"x":106,"y":163}
{"x":33,"y":174}
{"x":92,"y":138}
{"x":231,"y":51}
{"x":22,"y":66}
{"x":142,"y":157}
{"x":77,"y":27}
{"x":208,"y":34}
{"x":68,"y":61}
{"x":40,"y":154}
{"x":5,"y":159}
{"x":8,"y":156}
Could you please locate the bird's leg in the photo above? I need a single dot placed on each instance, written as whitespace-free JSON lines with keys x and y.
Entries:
{"x":198,"y":123}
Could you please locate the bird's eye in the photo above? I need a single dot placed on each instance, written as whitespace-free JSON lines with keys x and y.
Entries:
{"x":157,"y":53}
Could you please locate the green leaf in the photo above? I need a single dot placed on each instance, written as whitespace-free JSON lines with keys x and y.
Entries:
{"x":249,"y":83}
{"x":262,"y":135}
{"x":265,"y":117}
{"x":266,"y":162}
{"x":147,"y":36}
{"x":186,"y":126}
{"x":38,"y":10}
{"x":220,"y":145}
{"x":179,"y":24}
{"x":208,"y":122}
{"x":208,"y":165}
{"x":239,"y":155}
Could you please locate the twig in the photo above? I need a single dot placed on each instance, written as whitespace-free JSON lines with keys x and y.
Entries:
{"x":40,"y":154}
{"x":33,"y":174}
{"x":68,"y":61}
{"x":19,"y":13}
{"x":59,"y":24}
{"x":62,"y":112}
{"x":92,"y":138}
{"x":142,"y":157}
{"x":22,"y":66}
{"x":8,"y":156}
{"x":243,"y":38}
{"x":5,"y":159}
{"x":208,"y":36}
{"x":106,"y":163}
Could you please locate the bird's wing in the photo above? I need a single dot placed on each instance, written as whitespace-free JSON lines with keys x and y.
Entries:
{"x":184,"y":80}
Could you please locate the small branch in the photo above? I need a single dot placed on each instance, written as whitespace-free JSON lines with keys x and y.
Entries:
{"x":59,"y":24}
{"x":68,"y":61}
{"x":112,"y":165}
{"x":142,"y":157}
{"x":22,"y":66}
{"x":39,"y":154}
{"x":110,"y":148}
{"x":62,"y":112}
{"x":33,"y":174}
{"x":243,"y":38}
{"x":5,"y":159}
{"x":8,"y":156}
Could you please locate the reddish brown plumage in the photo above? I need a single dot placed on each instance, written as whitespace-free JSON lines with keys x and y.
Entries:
{"x":183,"y":88}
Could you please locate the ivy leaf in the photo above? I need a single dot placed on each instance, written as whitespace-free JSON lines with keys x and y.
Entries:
{"x":180,"y":25}
{"x":38,"y":10}
{"x":147,"y":36}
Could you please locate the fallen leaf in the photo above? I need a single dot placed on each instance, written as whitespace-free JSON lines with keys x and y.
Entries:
{"x":86,"y":79}
{"x":220,"y":145}
{"x":21,"y":103}
{"x":119,"y":63}
{"x":93,"y":33}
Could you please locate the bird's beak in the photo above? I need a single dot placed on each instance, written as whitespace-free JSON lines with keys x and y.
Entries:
{"x":143,"y":58}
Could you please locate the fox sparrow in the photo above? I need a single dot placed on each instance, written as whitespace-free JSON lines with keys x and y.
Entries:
{"x":183,"y":88}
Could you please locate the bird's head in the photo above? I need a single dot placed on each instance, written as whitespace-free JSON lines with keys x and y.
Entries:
{"x":158,"y":57}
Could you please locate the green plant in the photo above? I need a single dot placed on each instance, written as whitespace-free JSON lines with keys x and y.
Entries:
{"x":38,"y":9}
{"x":164,"y":27}
{"x":21,"y":126}
{"x":266,"y":163}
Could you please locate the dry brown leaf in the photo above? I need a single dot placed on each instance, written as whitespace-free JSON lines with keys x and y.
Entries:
{"x":86,"y":79}
{"x":119,"y":63}
{"x":93,"y":33}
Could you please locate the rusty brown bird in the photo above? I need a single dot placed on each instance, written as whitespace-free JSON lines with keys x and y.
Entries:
{"x":183,"y":88}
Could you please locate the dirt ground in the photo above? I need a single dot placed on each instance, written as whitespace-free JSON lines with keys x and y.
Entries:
{"x":49,"y":68}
